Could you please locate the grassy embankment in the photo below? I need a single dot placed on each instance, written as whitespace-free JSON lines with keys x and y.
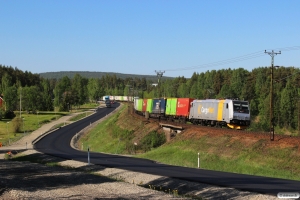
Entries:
{"x":107,"y":137}
{"x":216,"y":153}
{"x":32,"y":122}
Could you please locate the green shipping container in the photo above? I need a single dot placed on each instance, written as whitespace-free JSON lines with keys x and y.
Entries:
{"x":140,"y":105}
{"x":149,"y":105}
{"x":171,"y":106}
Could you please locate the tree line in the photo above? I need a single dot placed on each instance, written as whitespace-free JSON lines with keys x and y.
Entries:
{"x":86,"y":74}
{"x":37,"y":93}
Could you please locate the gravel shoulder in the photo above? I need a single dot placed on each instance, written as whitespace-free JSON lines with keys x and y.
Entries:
{"x":78,"y":180}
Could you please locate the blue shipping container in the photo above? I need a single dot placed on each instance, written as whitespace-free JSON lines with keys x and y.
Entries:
{"x":159,"y":106}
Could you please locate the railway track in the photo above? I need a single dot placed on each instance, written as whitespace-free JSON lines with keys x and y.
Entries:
{"x":225,"y":131}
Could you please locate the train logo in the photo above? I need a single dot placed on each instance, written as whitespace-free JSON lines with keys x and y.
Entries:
{"x":204,"y":110}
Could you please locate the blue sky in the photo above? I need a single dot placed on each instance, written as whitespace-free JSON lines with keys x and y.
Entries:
{"x":139,"y":36}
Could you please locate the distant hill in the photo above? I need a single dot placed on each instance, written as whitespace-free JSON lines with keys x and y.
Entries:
{"x":71,"y":74}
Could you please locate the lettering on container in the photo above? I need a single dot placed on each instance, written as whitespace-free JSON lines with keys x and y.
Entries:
{"x":179,"y":105}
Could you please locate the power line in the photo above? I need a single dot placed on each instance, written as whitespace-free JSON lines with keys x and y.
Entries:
{"x":222,"y":62}
{"x":287,"y":76}
{"x":233,"y":60}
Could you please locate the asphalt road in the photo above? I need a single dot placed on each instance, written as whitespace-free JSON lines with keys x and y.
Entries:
{"x":58,"y":144}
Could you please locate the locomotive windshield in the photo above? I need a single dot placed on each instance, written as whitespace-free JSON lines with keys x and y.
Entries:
{"x":240,"y":107}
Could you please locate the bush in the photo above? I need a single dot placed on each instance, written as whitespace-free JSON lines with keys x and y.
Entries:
{"x":17,"y":123}
{"x":7,"y":156}
{"x":259,"y":126}
{"x":9,"y":114}
{"x":45,"y":121}
{"x":152,"y":140}
{"x":1,"y":113}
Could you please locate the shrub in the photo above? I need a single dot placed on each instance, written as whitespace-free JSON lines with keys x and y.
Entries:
{"x":17,"y":123}
{"x":259,"y":126}
{"x":2,"y":113}
{"x":7,"y":156}
{"x":9,"y":114}
{"x":152,"y":140}
{"x":44,"y":121}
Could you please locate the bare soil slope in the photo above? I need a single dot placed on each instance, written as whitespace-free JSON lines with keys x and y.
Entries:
{"x":131,"y":121}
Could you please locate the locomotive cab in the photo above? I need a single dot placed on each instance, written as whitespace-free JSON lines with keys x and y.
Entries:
{"x":239,"y":112}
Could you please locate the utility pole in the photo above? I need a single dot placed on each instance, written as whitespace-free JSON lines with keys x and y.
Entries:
{"x":21,"y":103}
{"x":298,"y":116}
{"x":159,"y":75}
{"x":272,"y":54}
{"x":132,"y":81}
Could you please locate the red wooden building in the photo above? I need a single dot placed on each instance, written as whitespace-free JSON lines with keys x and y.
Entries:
{"x":1,"y":102}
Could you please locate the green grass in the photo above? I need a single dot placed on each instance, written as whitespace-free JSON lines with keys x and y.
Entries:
{"x":280,"y":163}
{"x":108,"y":132}
{"x":31,"y":122}
{"x":59,"y":125}
{"x":80,"y":116}
{"x":84,"y":107}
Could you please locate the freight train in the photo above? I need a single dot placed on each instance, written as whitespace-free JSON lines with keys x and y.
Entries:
{"x":230,"y":113}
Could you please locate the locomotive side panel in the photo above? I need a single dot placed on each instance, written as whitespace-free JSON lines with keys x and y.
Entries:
{"x":226,"y":110}
{"x":205,"y":109}
{"x":220,"y":110}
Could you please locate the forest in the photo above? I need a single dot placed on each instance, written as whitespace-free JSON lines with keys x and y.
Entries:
{"x":35,"y":93}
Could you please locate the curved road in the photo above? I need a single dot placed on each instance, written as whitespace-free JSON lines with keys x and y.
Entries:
{"x":58,"y":144}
